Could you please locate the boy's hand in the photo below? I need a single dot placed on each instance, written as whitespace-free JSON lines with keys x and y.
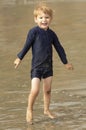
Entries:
{"x":69,"y":66}
{"x":17,"y":62}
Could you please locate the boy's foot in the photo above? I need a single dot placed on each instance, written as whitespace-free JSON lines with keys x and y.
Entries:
{"x":49,"y":114}
{"x":29,"y":117}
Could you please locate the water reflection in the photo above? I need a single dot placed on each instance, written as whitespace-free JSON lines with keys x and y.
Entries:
{"x":69,"y":88}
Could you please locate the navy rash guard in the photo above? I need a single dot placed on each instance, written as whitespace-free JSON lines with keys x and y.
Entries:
{"x":41,"y":42}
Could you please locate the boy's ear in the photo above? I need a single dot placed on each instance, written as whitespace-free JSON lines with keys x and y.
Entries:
{"x":35,"y":19}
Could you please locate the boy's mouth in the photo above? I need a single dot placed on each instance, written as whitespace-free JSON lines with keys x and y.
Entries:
{"x":44,"y":24}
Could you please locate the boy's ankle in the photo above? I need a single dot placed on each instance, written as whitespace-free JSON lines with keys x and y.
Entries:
{"x":49,"y":114}
{"x":29,"y":116}
{"x":29,"y":109}
{"x":46,"y":110}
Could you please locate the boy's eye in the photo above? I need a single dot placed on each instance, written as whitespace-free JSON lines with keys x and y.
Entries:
{"x":40,"y":17}
{"x":47,"y":17}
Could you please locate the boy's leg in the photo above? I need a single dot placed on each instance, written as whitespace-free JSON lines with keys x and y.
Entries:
{"x":35,"y":86}
{"x":47,"y":96}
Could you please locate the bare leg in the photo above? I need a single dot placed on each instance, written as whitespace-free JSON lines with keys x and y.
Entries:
{"x":47,"y":96}
{"x":32,"y":97}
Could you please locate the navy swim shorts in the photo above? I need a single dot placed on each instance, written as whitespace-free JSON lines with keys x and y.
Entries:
{"x":42,"y":71}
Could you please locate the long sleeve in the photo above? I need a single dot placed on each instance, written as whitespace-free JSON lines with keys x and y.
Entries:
{"x":60,"y":50}
{"x":28,"y":44}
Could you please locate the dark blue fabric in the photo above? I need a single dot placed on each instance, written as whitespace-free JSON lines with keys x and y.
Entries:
{"x":42,"y":71}
{"x":41,"y":42}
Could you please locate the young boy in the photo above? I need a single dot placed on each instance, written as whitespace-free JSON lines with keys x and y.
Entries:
{"x":41,"y":38}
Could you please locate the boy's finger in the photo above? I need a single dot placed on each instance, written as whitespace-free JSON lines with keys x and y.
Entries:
{"x":15,"y":66}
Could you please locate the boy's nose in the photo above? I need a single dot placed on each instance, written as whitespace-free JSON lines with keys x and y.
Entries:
{"x":44,"y":19}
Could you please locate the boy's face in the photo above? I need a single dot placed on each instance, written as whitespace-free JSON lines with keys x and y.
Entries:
{"x":43,"y":20}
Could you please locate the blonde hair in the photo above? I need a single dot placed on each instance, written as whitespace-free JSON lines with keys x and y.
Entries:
{"x":44,"y":9}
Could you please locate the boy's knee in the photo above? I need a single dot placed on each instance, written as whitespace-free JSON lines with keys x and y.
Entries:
{"x":49,"y":91}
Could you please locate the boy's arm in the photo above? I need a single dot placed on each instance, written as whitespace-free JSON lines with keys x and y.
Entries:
{"x":59,"y":48}
{"x":22,"y":53}
{"x":61,"y":53}
{"x":17,"y":62}
{"x":29,"y":41}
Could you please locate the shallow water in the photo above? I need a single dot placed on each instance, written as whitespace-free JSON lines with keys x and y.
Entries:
{"x":68,"y":87}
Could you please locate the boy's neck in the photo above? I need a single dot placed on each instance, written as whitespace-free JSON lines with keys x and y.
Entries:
{"x":43,"y":29}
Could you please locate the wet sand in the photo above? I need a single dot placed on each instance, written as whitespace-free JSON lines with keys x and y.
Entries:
{"x":68,"y":87}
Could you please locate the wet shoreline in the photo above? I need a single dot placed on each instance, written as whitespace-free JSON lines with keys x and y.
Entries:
{"x":68,"y":88}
